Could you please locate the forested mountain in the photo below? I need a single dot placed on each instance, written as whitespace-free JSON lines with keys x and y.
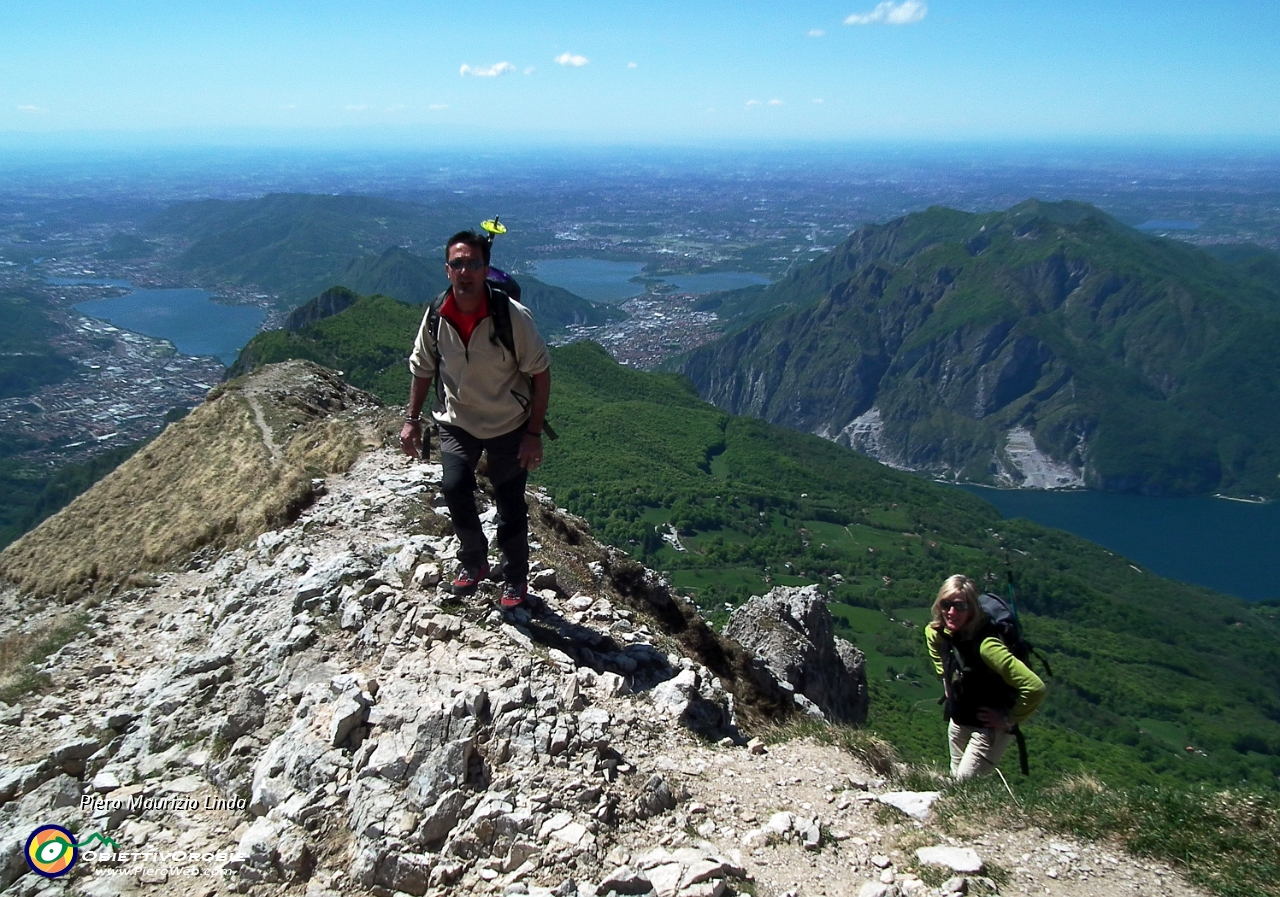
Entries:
{"x":1145,"y":667}
{"x":1044,"y":345}
{"x":294,"y":244}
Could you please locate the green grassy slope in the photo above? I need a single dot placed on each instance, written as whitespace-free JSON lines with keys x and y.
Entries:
{"x":369,"y":342}
{"x":1145,"y":667}
{"x":1143,"y":360}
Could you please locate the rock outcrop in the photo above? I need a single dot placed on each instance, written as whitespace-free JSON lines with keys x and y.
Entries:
{"x":792,"y":634}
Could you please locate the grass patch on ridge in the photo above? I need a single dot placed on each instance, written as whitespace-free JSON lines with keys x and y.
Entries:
{"x":21,"y":651}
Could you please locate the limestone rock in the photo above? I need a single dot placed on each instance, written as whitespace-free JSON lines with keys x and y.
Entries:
{"x":792,"y":633}
{"x":916,"y":804}
{"x":958,"y":859}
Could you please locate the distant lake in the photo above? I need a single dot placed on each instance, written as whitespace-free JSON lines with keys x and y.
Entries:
{"x":594,"y":279}
{"x":188,"y":318}
{"x":612,"y":282}
{"x":1230,"y":546}
{"x":716,"y":281}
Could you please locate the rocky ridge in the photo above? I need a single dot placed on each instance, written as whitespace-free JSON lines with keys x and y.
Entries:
{"x":310,"y":714}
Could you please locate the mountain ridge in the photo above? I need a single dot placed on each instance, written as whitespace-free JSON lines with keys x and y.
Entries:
{"x":342,"y":728}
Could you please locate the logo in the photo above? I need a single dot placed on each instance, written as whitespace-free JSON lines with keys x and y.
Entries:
{"x":52,"y":851}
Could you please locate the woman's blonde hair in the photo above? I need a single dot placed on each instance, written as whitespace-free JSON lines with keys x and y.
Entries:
{"x":959,"y":587}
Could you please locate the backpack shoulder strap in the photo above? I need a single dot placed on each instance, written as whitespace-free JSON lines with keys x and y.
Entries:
{"x":953,"y":662}
{"x":433,"y":328}
{"x":1022,"y":750}
{"x":433,"y":322}
{"x":500,"y":311}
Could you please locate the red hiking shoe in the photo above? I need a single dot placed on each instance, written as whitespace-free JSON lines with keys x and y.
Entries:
{"x":513,"y":595}
{"x":469,"y":579}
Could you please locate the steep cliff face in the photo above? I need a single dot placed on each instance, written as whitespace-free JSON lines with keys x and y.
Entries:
{"x":940,"y":340}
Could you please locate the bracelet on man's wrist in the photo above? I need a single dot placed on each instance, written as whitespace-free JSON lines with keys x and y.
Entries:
{"x":531,"y":433}
{"x":413,"y":420}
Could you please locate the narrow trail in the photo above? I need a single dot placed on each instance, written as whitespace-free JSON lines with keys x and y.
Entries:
{"x":268,"y":438}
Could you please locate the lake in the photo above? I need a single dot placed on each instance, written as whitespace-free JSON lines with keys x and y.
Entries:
{"x":1230,"y":546}
{"x":601,"y":280}
{"x":188,"y":318}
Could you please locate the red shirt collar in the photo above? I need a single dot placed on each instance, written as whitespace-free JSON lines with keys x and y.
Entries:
{"x":464,"y":323}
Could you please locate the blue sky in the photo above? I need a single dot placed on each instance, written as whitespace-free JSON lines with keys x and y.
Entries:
{"x":663,"y":72}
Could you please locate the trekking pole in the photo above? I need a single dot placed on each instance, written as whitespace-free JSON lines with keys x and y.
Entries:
{"x":1008,"y":576}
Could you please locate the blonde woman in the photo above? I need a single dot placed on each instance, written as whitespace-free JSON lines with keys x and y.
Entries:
{"x":989,"y":692}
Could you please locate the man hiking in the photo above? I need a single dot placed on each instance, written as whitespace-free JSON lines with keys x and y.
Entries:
{"x":493,"y":382}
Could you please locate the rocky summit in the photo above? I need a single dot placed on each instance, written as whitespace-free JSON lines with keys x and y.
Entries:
{"x":308,"y":712}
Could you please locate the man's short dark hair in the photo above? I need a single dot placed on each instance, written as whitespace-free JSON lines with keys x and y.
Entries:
{"x":469,"y":238}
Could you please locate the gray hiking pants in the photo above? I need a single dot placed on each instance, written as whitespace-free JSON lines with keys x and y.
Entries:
{"x":459,"y":455}
{"x":975,"y":751}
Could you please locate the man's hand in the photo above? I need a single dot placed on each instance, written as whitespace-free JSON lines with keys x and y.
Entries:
{"x":530,"y":451}
{"x":411,"y":441}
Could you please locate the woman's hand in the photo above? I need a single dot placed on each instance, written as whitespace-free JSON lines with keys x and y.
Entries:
{"x":995,"y":719}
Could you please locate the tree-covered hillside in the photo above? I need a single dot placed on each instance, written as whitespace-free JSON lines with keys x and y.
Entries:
{"x":27,"y":361}
{"x":302,"y":245}
{"x":1155,"y":680}
{"x":1143,"y":363}
{"x":296,"y":244}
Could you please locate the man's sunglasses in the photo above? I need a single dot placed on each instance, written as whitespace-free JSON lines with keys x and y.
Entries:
{"x":954,"y":605}
{"x":465,"y":264}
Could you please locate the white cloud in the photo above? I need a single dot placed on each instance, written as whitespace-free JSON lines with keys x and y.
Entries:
{"x":486,"y":71}
{"x":572,"y":59}
{"x":27,"y":107}
{"x":818,"y":101}
{"x":530,"y":70}
{"x":816,"y":32}
{"x":775,"y":102}
{"x":753,"y":102}
{"x":438,"y":106}
{"x":889,"y":13}
{"x":632,"y":65}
